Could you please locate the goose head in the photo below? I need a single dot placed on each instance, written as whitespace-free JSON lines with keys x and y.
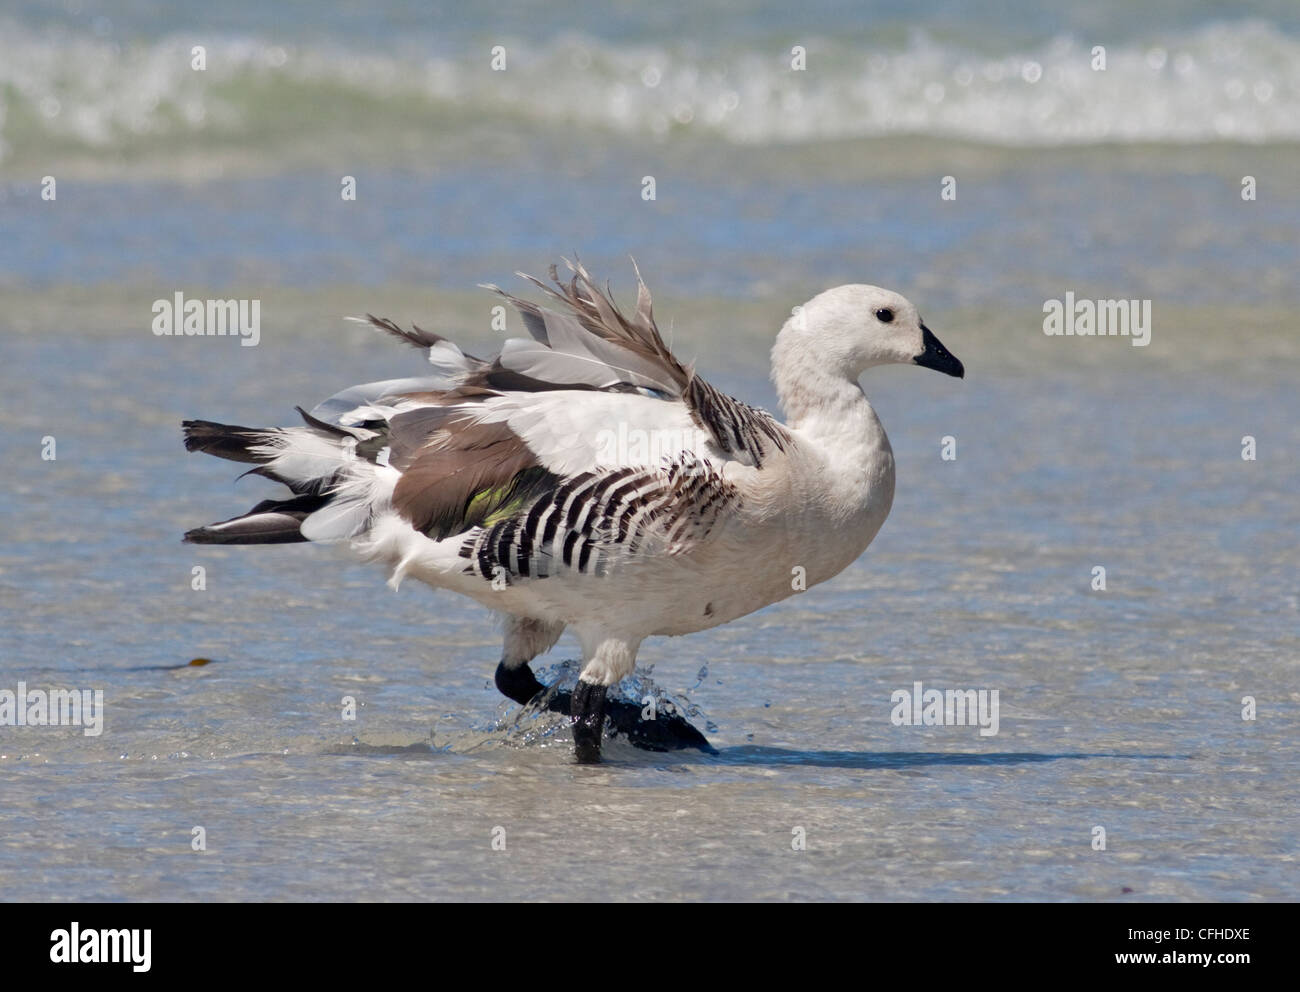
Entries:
{"x":856,"y":327}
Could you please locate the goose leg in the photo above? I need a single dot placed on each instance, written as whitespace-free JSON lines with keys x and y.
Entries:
{"x":606,"y":660}
{"x":587,"y":711}
{"x":520,"y":684}
{"x":659,"y":732}
{"x":526,"y":638}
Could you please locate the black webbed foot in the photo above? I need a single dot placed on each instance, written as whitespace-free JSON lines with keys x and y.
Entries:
{"x":666,"y":730}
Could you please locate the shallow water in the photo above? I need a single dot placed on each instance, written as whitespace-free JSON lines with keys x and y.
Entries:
{"x":1119,"y":709}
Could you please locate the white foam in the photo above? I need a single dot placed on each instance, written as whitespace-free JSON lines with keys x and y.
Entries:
{"x":1226,"y":81}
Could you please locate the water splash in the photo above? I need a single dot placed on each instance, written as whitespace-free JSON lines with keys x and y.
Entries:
{"x":535,"y":727}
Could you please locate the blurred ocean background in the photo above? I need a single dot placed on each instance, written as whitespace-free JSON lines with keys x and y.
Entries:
{"x":1119,"y":708}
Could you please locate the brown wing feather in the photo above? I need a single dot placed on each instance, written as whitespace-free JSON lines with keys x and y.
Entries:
{"x":454,"y":460}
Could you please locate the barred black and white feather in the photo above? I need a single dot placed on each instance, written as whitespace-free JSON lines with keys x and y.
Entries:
{"x":593,"y":523}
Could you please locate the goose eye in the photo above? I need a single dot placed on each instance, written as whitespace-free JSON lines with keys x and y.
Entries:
{"x":885,"y":315}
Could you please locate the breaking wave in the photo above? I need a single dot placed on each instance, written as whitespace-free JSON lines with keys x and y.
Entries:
{"x":61,"y":92}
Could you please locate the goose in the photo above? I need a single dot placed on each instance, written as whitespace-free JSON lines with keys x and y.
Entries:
{"x":584,"y":478}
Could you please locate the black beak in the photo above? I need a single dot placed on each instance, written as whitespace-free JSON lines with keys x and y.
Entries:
{"x":937,"y":357}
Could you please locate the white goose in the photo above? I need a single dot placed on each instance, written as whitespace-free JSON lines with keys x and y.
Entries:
{"x":585,"y":478}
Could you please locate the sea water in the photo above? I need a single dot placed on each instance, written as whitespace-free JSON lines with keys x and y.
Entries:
{"x":1145,"y":745}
